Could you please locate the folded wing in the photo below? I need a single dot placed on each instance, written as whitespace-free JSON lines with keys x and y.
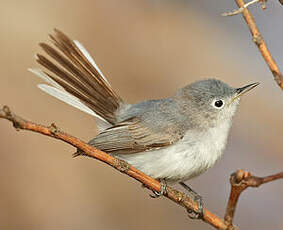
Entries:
{"x":134,"y":136}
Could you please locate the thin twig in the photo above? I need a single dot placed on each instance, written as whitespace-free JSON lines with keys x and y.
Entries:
{"x":178,"y":197}
{"x":240,"y":181}
{"x":258,"y":40}
{"x":240,"y":10}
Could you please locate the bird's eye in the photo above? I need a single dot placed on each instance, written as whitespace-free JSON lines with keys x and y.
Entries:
{"x":218,"y":104}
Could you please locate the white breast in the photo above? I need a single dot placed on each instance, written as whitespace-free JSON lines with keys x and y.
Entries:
{"x":188,"y":158}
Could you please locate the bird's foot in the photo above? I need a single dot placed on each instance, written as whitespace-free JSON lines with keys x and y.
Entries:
{"x":162,"y":192}
{"x":197,"y":214}
{"x":197,"y":198}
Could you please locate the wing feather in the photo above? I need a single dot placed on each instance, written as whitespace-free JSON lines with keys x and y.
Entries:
{"x":134,"y":136}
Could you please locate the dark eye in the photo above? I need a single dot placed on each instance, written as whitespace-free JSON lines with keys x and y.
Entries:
{"x":218,"y":103}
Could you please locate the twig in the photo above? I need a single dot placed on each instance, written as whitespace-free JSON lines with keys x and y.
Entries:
{"x":240,"y":181}
{"x":241,"y":9}
{"x":178,"y":197}
{"x":258,"y":40}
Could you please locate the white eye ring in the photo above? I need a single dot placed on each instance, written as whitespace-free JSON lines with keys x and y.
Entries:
{"x":218,"y":103}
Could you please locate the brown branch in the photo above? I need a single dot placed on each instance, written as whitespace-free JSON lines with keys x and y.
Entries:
{"x":178,"y":197}
{"x":258,"y":40}
{"x":240,"y":181}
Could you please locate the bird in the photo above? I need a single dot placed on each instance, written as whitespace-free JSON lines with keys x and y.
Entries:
{"x":172,"y":139}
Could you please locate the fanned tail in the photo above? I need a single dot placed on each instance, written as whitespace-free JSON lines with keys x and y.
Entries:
{"x":76,"y":79}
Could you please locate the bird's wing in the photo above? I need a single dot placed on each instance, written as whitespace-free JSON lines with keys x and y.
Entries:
{"x":133,"y":136}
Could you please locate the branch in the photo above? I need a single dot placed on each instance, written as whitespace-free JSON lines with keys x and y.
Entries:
{"x":176,"y":196}
{"x":240,"y":181}
{"x":257,"y":38}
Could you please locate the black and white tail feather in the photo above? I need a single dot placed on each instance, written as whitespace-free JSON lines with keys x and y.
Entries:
{"x":74,"y":77}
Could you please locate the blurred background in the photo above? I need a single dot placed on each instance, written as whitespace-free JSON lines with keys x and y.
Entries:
{"x":147,"y":49}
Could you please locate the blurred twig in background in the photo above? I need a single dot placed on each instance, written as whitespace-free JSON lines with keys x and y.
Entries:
{"x":239,"y":180}
{"x":257,"y":38}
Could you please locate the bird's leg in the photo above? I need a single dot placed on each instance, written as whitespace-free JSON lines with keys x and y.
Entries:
{"x":162,"y":191}
{"x":197,"y":198}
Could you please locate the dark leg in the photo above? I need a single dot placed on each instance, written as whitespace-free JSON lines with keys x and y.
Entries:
{"x":196,"y":197}
{"x":162,"y":191}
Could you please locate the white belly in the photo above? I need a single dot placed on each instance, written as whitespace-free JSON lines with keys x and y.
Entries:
{"x":188,"y":158}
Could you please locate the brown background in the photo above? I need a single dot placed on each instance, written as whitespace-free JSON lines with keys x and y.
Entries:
{"x":147,"y":49}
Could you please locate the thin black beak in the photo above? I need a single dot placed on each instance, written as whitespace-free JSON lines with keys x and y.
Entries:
{"x":245,"y":89}
{"x":241,"y":91}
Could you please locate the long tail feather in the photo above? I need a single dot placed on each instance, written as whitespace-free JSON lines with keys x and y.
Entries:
{"x":46,"y":78}
{"x":67,"y":98}
{"x":76,"y":79}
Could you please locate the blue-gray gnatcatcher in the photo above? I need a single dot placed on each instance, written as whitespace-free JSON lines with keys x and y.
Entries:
{"x":171,"y":139}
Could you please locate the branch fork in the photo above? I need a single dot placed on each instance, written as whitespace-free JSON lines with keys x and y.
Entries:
{"x":240,"y":181}
{"x":245,"y":6}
